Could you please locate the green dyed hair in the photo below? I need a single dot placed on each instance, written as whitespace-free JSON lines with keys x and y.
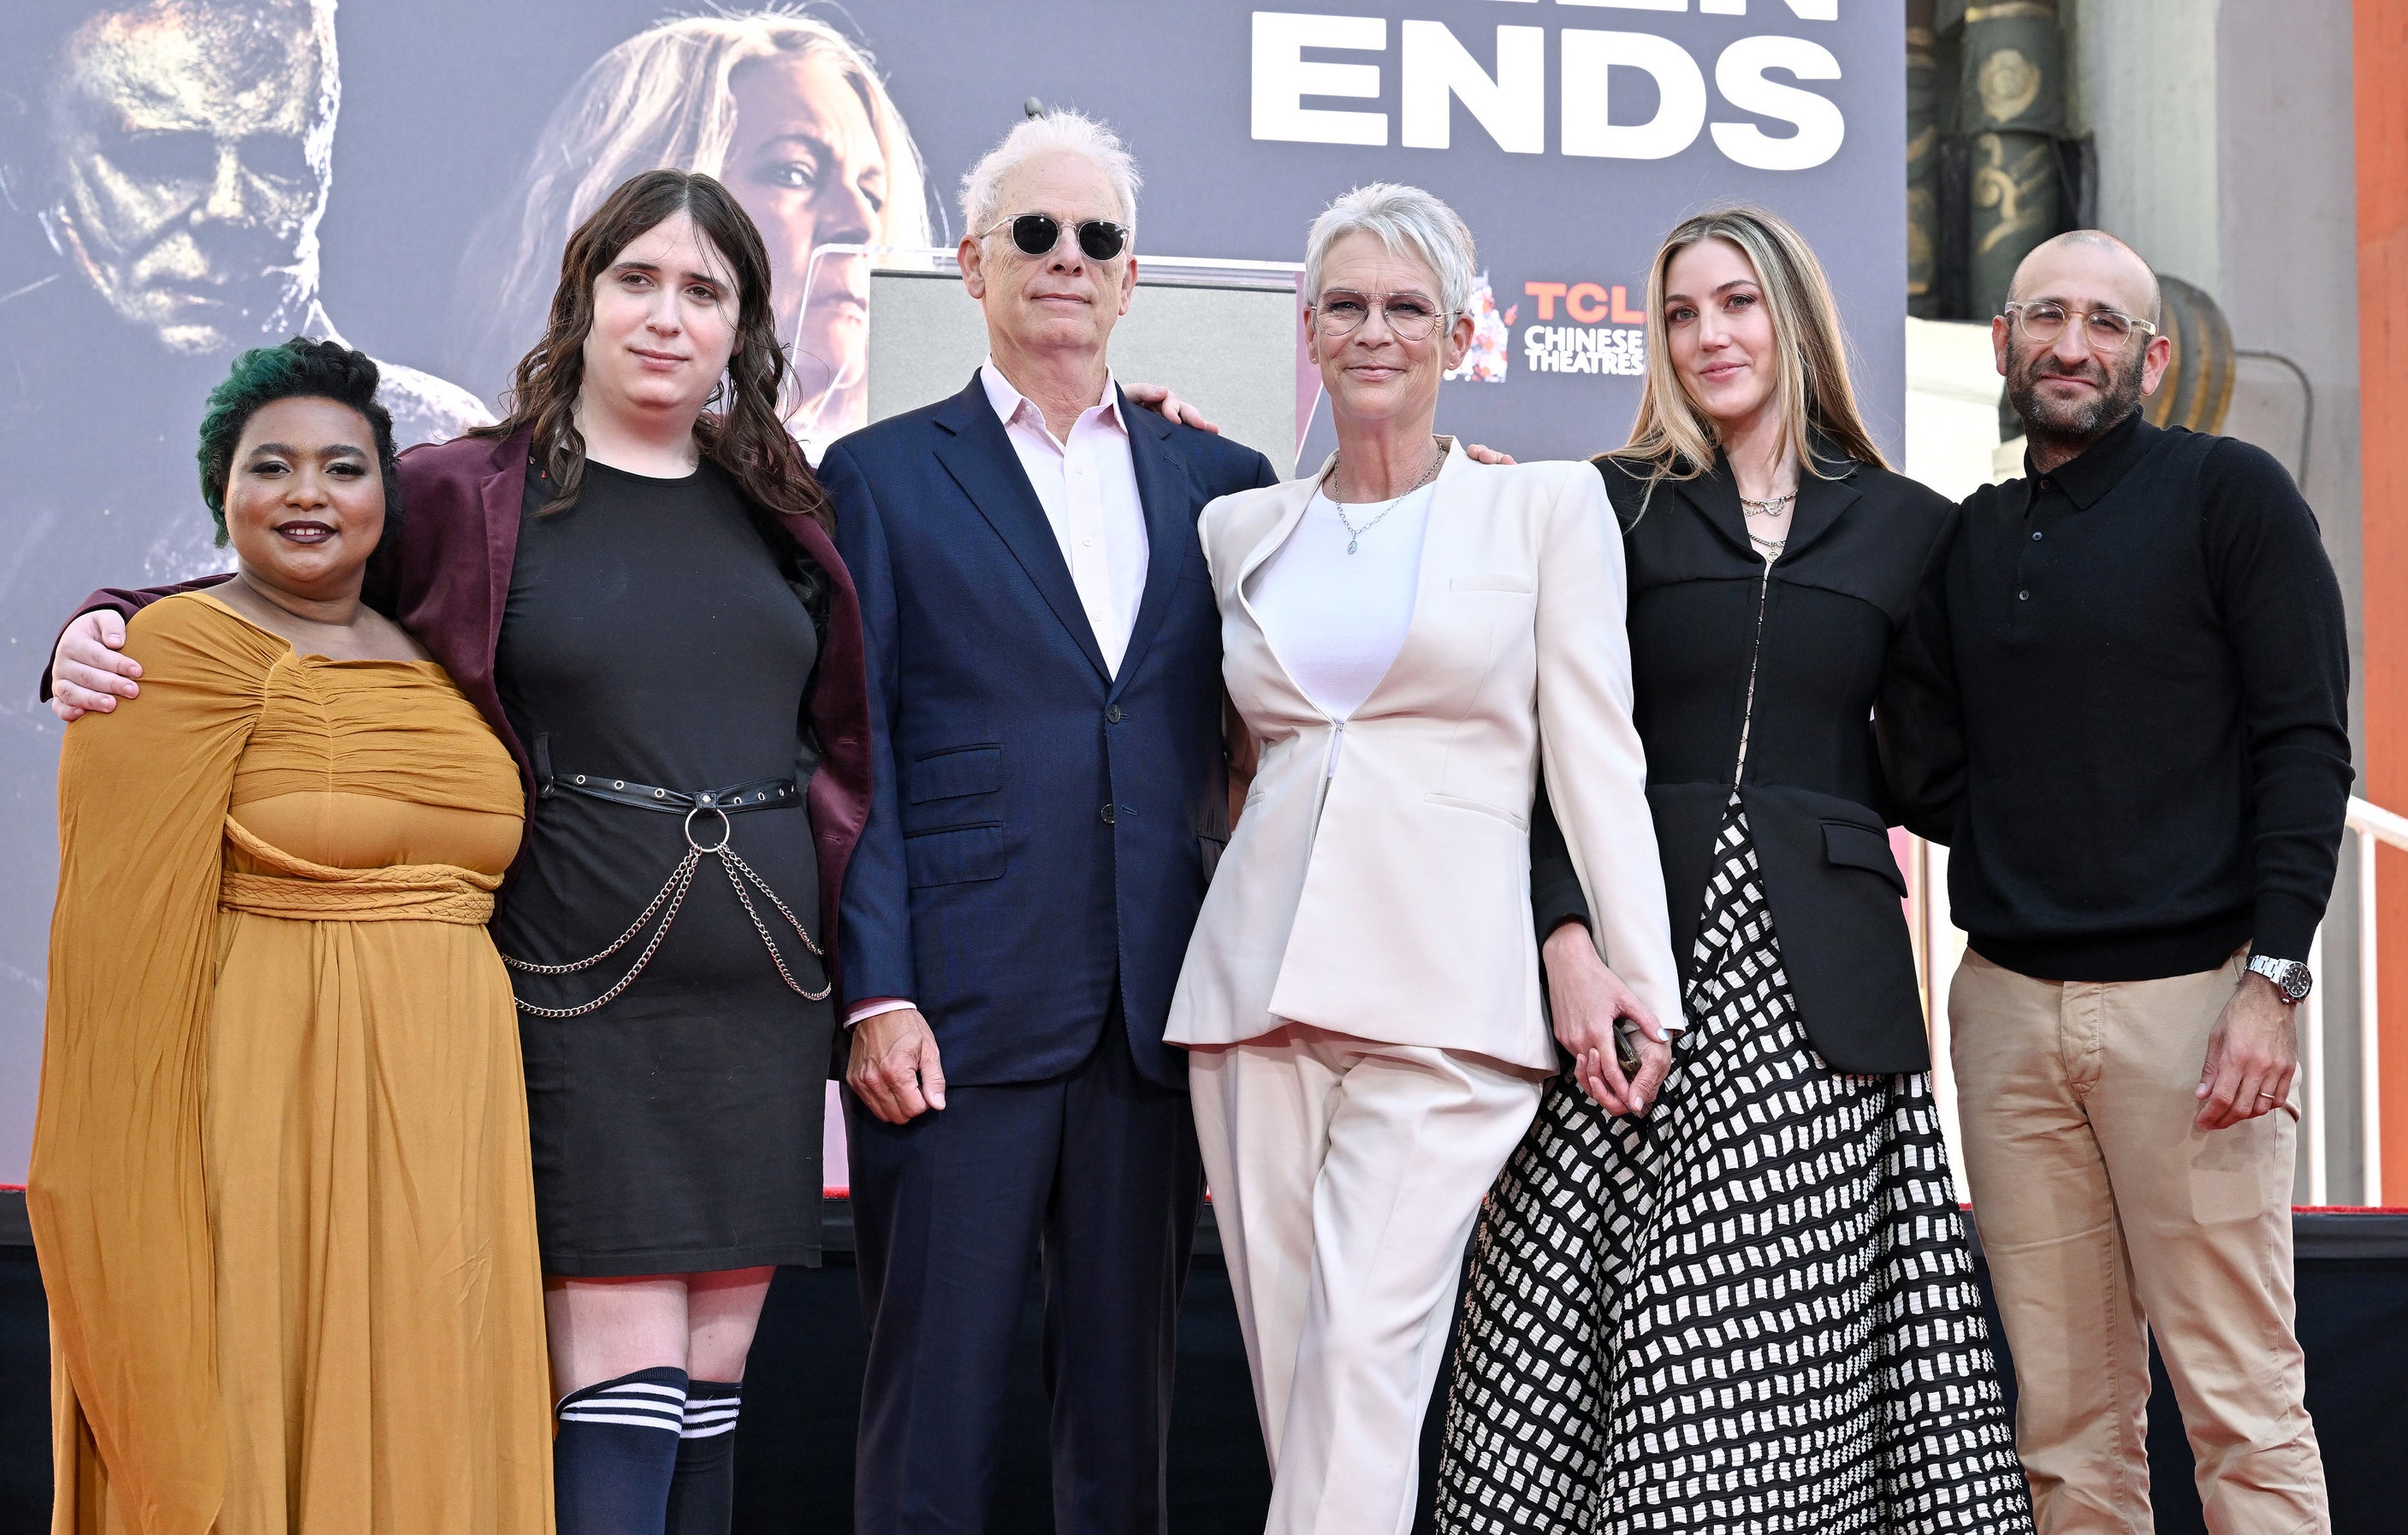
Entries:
{"x":299,"y":369}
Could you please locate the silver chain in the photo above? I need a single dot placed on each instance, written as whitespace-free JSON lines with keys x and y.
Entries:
{"x":681,"y":880}
{"x":1769,"y":507}
{"x":734,"y":864}
{"x":1354,"y":533}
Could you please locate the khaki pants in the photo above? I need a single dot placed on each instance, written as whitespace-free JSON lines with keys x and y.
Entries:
{"x":1346,"y":1176}
{"x":2107,"y":1216}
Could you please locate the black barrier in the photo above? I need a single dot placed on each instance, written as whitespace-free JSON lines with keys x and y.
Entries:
{"x":795,"y":1442}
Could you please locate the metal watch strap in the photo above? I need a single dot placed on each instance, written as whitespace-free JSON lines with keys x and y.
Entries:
{"x":2291,"y":979}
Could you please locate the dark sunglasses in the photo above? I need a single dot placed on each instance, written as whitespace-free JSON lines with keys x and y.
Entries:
{"x":1036,"y":234}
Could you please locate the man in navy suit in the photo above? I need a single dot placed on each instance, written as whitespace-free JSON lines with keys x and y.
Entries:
{"x":1050,"y":798}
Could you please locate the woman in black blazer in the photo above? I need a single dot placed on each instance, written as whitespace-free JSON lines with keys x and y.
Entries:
{"x":1748,"y":1305}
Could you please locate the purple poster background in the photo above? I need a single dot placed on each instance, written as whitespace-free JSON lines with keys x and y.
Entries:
{"x":182,"y":180}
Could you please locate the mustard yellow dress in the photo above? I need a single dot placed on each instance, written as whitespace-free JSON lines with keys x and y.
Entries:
{"x":280,"y":1186}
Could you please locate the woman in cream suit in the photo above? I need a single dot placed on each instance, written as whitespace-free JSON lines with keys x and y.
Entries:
{"x":1407,"y":635}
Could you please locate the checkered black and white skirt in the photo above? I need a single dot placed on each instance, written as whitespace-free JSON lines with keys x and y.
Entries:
{"x":1751,"y":1311}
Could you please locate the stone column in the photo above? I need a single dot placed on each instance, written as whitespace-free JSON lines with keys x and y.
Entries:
{"x":1922,"y":161}
{"x":2012,"y":104}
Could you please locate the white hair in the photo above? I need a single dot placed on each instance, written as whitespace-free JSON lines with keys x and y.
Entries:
{"x":1409,"y":222}
{"x":1061,"y":129}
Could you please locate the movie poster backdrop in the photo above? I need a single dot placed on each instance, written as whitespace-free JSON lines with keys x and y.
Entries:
{"x":181,"y":179}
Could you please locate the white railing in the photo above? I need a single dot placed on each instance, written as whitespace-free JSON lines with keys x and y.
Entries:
{"x":1939,"y":947}
{"x":2374,"y":827}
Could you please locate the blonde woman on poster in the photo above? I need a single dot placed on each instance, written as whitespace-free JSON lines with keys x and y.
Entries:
{"x":791,"y":116}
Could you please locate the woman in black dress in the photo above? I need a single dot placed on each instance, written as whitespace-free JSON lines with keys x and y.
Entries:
{"x":1748,"y":1305}
{"x":656,"y":658}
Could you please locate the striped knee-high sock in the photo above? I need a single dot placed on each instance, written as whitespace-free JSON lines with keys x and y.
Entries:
{"x":616,"y":1453}
{"x":702,"y":1494}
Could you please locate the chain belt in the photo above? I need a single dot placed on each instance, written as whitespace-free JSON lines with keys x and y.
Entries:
{"x":761,"y":795}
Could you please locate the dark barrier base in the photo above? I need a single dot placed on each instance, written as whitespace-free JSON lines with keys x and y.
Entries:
{"x":24,"y":1396}
{"x":795,"y":1440}
{"x":795,"y":1449}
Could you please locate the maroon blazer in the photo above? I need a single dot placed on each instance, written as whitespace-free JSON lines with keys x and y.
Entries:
{"x":447,"y":577}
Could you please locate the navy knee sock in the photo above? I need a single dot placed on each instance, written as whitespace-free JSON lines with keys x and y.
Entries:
{"x":702,"y":1494}
{"x":616,"y":1452}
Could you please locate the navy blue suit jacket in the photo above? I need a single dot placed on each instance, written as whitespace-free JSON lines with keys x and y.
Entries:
{"x":1039,"y":831}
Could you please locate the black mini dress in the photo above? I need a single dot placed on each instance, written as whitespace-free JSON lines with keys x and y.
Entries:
{"x":660,"y":632}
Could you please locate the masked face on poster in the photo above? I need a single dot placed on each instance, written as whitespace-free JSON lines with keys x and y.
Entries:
{"x":176,"y":158}
{"x":191,"y":162}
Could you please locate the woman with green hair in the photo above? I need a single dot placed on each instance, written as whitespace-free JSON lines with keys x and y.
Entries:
{"x":280,"y":1187}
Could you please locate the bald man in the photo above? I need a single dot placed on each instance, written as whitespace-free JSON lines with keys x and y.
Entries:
{"x":2137,"y":744}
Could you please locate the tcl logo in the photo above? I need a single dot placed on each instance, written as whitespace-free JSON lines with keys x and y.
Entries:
{"x":1586,"y":303}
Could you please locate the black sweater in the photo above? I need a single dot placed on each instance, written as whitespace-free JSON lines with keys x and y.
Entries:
{"x":2134,"y":724}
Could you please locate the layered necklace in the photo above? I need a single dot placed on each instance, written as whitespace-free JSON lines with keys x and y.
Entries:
{"x":1354,"y":534}
{"x":1770,"y":507}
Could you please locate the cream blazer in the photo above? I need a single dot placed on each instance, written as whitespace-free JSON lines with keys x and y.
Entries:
{"x":1390,"y":900}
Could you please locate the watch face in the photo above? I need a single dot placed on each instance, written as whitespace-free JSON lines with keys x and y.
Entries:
{"x":2291,"y":978}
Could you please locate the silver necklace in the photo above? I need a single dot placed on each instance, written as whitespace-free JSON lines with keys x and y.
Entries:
{"x":1354,"y":534}
{"x":1771,"y":508}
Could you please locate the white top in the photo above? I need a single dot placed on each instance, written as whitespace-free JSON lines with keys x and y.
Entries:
{"x":1088,"y":488}
{"x":1336,"y":620}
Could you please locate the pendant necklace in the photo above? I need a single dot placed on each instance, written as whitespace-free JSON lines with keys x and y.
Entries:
{"x":1769,"y":507}
{"x":1354,"y":534}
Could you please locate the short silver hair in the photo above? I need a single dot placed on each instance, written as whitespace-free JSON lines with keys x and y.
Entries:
{"x":1061,"y":129}
{"x":1409,"y":222}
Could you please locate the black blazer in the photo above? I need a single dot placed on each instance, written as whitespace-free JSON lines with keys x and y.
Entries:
{"x":1835,"y":624}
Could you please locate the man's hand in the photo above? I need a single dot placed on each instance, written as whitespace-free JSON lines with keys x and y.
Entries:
{"x":1158,"y":398}
{"x":1480,"y":453}
{"x":86,"y":671}
{"x":894,"y":1069}
{"x":2252,"y":1055}
{"x":1586,"y":999}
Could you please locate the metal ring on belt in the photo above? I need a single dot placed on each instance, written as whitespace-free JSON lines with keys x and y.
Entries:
{"x":760,"y":795}
{"x":726,"y":829}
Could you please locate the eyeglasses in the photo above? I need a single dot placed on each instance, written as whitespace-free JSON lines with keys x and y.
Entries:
{"x":1038,"y":234}
{"x":2105,"y":329}
{"x":1411,"y":317}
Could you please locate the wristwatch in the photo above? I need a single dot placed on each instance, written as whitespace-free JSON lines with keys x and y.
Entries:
{"x":2291,"y":978}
